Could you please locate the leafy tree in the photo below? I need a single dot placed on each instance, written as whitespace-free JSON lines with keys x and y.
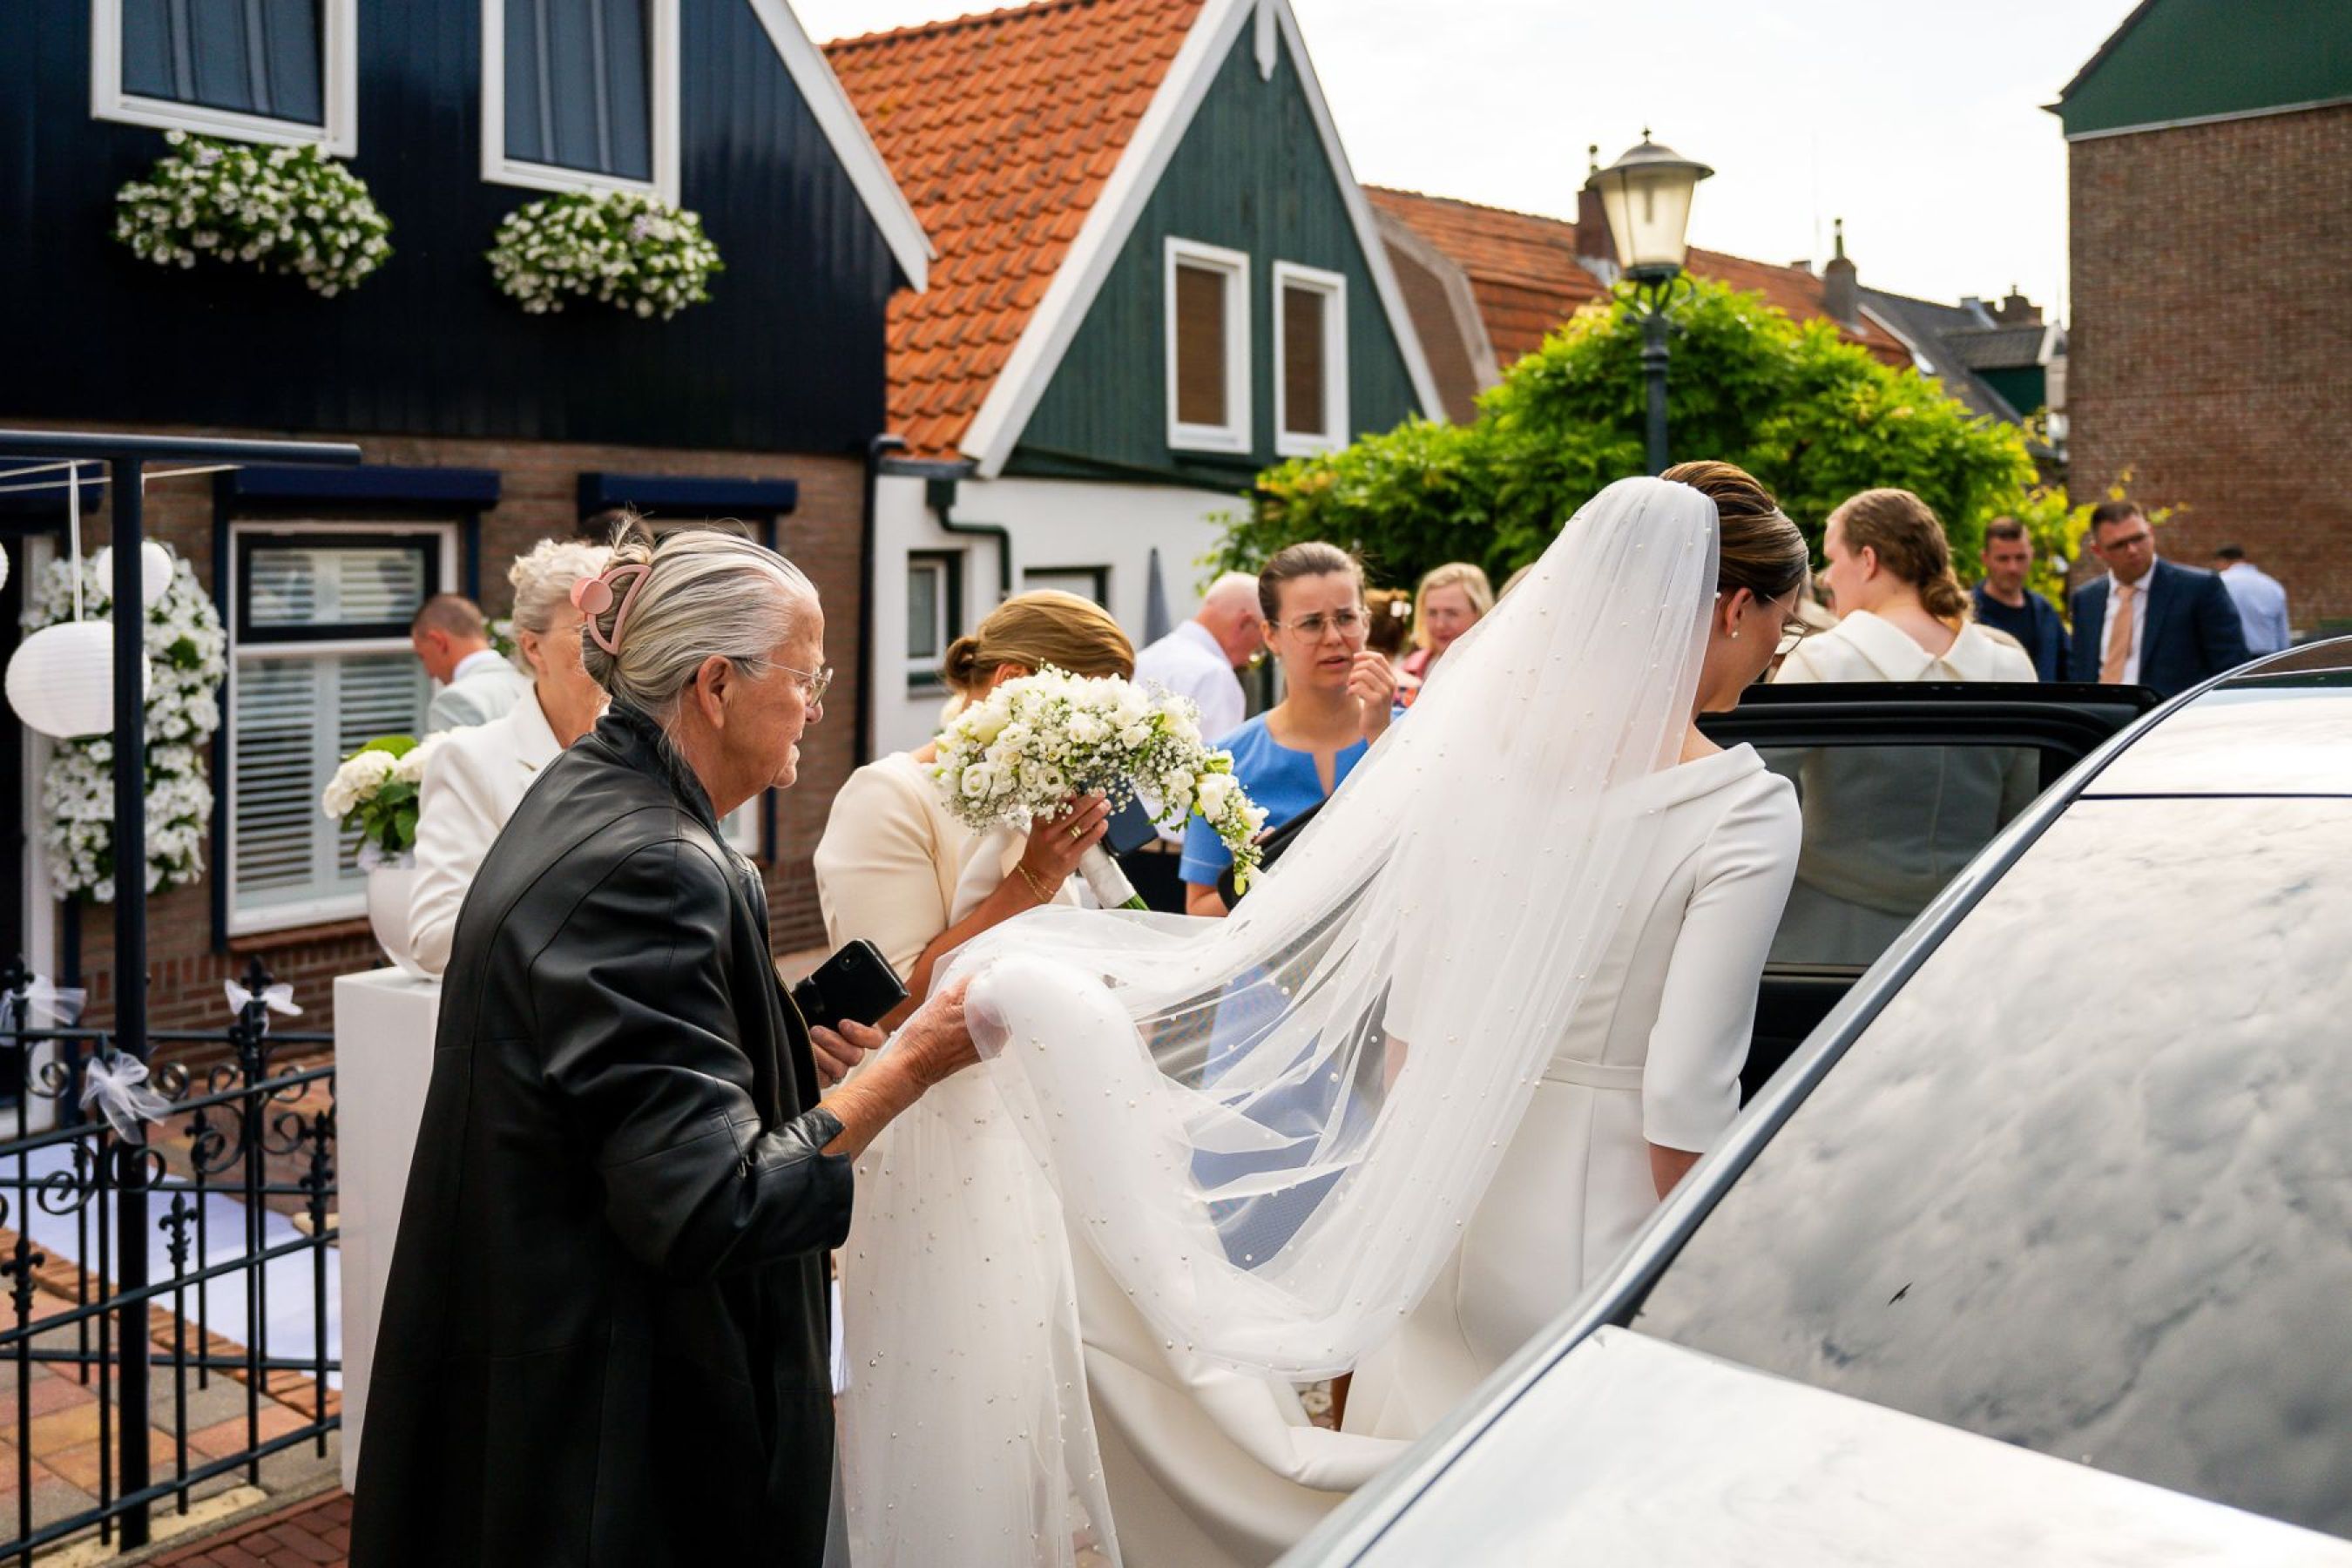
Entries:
{"x":1813,"y":416}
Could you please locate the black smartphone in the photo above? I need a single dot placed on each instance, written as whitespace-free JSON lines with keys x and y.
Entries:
{"x":1129,"y":829}
{"x":857,"y":984}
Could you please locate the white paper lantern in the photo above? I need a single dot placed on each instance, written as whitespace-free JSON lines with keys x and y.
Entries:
{"x":61,"y":680}
{"x":4,"y":568}
{"x":155,"y":571}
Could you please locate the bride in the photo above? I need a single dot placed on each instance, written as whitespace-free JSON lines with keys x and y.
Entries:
{"x":1206,"y":1160}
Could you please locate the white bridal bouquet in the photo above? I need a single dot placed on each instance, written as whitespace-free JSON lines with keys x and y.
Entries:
{"x":1020,"y":752}
{"x":375,"y":791}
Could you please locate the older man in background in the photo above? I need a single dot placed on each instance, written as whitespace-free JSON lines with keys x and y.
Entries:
{"x":1198,"y":660}
{"x":452,"y":643}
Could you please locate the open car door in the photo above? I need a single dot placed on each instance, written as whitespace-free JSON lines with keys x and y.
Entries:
{"x":1901,"y":785}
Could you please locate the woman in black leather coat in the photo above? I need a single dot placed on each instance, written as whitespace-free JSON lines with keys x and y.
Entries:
{"x":605,"y":1339}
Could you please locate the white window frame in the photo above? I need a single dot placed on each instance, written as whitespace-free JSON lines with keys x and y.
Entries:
{"x":314,"y":911}
{"x":923,"y":674}
{"x":338,"y":132}
{"x":1333,"y":287}
{"x":1234,"y":436}
{"x":662,"y":103}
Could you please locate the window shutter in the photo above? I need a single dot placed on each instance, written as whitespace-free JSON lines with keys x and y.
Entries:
{"x":323,"y":588}
{"x":296,"y":718}
{"x":1200,"y":306}
{"x":1305,"y":319}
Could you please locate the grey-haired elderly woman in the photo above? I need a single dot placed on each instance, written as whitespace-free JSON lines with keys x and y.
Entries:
{"x":478,"y":774}
{"x":606,"y":1335}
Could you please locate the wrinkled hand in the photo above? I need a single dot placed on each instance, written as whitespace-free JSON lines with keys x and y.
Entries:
{"x":1373,"y":683}
{"x":837,"y":1052}
{"x":1057,"y":842}
{"x":936,"y":1043}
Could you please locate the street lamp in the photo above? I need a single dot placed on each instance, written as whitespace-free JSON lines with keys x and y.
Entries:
{"x":1646,"y":194}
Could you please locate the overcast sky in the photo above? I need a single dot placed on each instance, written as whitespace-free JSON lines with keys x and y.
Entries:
{"x":1919,"y":121}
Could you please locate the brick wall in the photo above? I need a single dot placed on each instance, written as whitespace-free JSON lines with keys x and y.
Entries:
{"x":2210,"y":348}
{"x":538,"y":499}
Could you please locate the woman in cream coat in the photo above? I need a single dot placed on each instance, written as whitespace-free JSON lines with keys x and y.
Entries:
{"x":1885,"y":827}
{"x":479,"y":775}
{"x":888,"y":865}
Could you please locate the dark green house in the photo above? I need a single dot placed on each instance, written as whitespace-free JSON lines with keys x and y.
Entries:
{"x":1155,"y":276}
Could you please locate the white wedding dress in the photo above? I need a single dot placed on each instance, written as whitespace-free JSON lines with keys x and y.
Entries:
{"x":1206,"y":1160}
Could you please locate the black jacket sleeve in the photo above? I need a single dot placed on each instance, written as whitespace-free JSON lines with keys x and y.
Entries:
{"x":644,"y":1056}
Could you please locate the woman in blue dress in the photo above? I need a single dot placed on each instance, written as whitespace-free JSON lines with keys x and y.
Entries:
{"x":1337,"y":700}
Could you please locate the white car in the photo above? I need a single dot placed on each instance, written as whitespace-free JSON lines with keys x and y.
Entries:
{"x":2038,"y":1250}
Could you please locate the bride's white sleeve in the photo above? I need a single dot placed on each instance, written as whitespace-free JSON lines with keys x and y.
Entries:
{"x":1690,"y":1085}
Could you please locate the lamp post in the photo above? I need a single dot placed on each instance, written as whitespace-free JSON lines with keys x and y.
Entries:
{"x":1646,"y":194}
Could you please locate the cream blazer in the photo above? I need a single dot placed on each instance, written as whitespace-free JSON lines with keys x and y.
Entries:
{"x":1861,"y":647}
{"x":471,"y":786}
{"x":887,"y":867}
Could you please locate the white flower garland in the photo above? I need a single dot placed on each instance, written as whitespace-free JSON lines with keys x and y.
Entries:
{"x":626,"y":249}
{"x":289,"y":210}
{"x":188,"y":658}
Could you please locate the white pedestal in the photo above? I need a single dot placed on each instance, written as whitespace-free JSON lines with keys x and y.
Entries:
{"x":384,"y":1059}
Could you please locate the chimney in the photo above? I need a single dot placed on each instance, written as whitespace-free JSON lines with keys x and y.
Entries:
{"x":1593,"y":246}
{"x":1840,"y":293}
{"x":2017,"y":310}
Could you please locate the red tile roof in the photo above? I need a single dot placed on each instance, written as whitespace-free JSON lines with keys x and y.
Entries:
{"x":1002,"y":130}
{"x":1524,"y":272}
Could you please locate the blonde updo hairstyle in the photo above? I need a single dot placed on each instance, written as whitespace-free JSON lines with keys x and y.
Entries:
{"x":1037,"y":629}
{"x":1908,"y":539}
{"x":1463,"y":574}
{"x":707,"y":595}
{"x":543,"y":577}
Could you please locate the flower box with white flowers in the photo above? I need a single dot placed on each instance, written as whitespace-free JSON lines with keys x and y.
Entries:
{"x":289,"y":210}
{"x":634,"y":252}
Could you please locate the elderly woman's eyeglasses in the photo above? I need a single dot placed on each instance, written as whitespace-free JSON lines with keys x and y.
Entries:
{"x":1347,"y":623}
{"x":813,"y":682}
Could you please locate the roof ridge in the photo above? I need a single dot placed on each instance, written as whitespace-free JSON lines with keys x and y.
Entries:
{"x":1467,"y":202}
{"x":1001,"y":15}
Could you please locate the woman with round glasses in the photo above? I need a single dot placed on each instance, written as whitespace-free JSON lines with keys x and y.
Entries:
{"x":1337,"y":696}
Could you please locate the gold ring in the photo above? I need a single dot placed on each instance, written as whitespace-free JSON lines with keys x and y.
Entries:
{"x":1076,"y":835}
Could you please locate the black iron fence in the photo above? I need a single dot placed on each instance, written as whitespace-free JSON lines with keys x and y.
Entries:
{"x":233,"y":1170}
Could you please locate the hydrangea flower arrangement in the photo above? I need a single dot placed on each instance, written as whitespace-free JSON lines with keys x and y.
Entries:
{"x":187,"y":654}
{"x":289,"y":210}
{"x":374,"y":792}
{"x":1020,"y":753}
{"x":630,"y":250}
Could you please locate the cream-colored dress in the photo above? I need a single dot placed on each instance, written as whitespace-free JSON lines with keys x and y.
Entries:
{"x":1887,"y":826}
{"x":887,"y":866}
{"x":1651,"y":1055}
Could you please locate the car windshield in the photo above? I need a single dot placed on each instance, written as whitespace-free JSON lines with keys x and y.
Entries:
{"x":2086,"y":1184}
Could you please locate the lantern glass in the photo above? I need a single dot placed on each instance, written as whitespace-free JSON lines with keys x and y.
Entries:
{"x":61,"y":681}
{"x":1647,"y":195}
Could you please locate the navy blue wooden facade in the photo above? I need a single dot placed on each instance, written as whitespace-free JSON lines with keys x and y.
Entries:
{"x":788,"y":357}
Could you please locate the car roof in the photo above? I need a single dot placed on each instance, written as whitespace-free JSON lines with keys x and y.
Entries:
{"x":2282,"y":727}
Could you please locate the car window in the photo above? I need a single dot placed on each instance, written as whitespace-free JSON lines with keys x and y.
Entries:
{"x":2085,"y":1185}
{"x":1887,"y":826}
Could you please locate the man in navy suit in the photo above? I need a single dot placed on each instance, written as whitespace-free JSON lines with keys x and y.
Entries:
{"x":2148,"y":621}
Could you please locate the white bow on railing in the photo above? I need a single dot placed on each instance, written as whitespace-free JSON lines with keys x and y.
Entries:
{"x":116,"y":1085}
{"x":278,"y":998}
{"x":47,"y":1006}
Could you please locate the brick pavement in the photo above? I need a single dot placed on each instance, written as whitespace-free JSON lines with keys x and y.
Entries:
{"x":314,"y":1533}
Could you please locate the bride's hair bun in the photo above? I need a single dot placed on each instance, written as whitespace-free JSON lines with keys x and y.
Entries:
{"x":960,"y":669}
{"x":1044,"y":627}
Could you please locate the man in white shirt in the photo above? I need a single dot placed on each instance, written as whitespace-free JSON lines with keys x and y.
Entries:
{"x":2261,"y":602}
{"x":477,"y":683}
{"x":1198,"y":658}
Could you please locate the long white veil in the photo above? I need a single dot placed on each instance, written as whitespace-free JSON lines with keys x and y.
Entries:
{"x":1270,"y":1129}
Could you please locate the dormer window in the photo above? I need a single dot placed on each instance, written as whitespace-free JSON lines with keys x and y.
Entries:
{"x":1208,"y":345}
{"x":581,"y":94}
{"x":261,"y":70}
{"x":1310,"y":367}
